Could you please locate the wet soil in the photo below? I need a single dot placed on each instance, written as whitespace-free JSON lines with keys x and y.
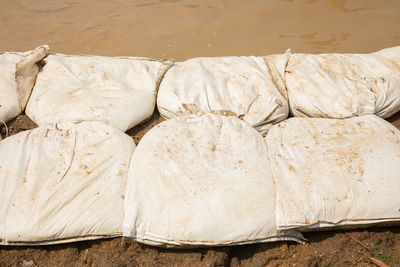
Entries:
{"x":19,"y":124}
{"x":323,"y":249}
{"x":139,"y":131}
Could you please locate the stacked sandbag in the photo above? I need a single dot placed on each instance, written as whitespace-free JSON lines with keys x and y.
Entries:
{"x":202,"y":180}
{"x":63,"y":183}
{"x":335,"y":173}
{"x":118,"y":91}
{"x":235,"y":86}
{"x":18,"y":72}
{"x":392,"y":53}
{"x":277,"y":64}
{"x":344,"y":85}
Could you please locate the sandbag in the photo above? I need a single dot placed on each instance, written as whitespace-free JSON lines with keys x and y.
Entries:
{"x":234,"y":86}
{"x":344,"y":85}
{"x":63,"y":183}
{"x":201,"y":181}
{"x":335,"y":173}
{"x":277,"y":64}
{"x":392,"y":53}
{"x":18,"y":72}
{"x":118,"y":91}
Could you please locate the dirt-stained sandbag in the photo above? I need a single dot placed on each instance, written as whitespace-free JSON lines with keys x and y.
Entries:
{"x":235,"y":86}
{"x":118,"y":91}
{"x":335,"y":173}
{"x":277,"y":64}
{"x":344,"y":85}
{"x":63,"y":183}
{"x":18,"y":72}
{"x":392,"y":53}
{"x":201,"y":181}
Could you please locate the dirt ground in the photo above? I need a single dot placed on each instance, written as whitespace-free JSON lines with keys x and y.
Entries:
{"x":332,"y":248}
{"x":322,"y":249}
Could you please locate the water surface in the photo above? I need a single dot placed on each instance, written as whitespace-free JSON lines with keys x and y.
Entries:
{"x":181,"y":29}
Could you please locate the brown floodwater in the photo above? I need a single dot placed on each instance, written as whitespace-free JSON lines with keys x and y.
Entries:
{"x":180,"y":29}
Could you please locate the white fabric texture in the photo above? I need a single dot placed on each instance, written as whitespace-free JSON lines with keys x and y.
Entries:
{"x":201,"y":181}
{"x":118,"y":91}
{"x":63,"y":183}
{"x":277,"y":64}
{"x":18,"y":72}
{"x":236,"y":86}
{"x":344,"y":85}
{"x":333,"y":173}
{"x":392,"y":53}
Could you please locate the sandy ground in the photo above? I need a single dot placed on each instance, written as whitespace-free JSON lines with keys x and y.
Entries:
{"x":180,"y":29}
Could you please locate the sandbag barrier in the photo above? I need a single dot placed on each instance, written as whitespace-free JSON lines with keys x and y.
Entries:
{"x":226,"y":168}
{"x":262,"y":91}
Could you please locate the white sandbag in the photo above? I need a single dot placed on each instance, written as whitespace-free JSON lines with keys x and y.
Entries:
{"x":118,"y":91}
{"x":332,"y":173}
{"x":18,"y":72}
{"x":343,"y":85}
{"x":277,"y":64}
{"x":63,"y":183}
{"x":236,"y":86}
{"x":201,"y":181}
{"x":392,"y":53}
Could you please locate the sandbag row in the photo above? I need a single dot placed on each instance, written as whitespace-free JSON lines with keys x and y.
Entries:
{"x":122,"y":91}
{"x":262,"y":90}
{"x":242,"y":87}
{"x":202,"y":180}
{"x":198,"y":180}
{"x":211,"y":180}
{"x":191,"y":182}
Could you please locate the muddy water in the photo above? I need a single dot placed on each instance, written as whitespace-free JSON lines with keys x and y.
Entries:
{"x":181,"y":29}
